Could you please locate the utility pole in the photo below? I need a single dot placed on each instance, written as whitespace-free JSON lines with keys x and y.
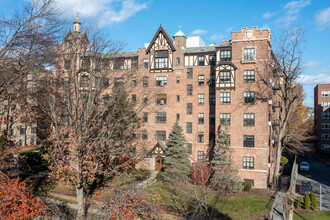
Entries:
{"x":320,"y":197}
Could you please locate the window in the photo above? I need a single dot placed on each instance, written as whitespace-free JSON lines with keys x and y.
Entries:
{"x":178,"y":98}
{"x":20,"y":142}
{"x":325,"y":93}
{"x":161,"y":81}
{"x":225,"y":55}
{"x":224,"y":77}
{"x":133,"y":134}
{"x":189,"y":73}
{"x":212,"y":99}
{"x":161,"y":99}
{"x":248,"y":76}
{"x":248,"y":163}
{"x":177,"y":60}
{"x":325,"y":147}
{"x":145,"y":81}
{"x":224,"y":97}
{"x":201,"y":80}
{"x":134,"y":64}
{"x":200,"y":118}
{"x":212,"y":60}
{"x":325,"y":115}
{"x":118,"y":65}
{"x":22,"y":131}
{"x":32,"y":141}
{"x":144,"y":135}
{"x":119,"y":81}
{"x":189,"y":127}
{"x":189,"y":89}
{"x":200,"y":99}
{"x":133,"y":82}
{"x":66,"y":82}
{"x":325,"y":136}
{"x":161,"y":59}
{"x":248,"y":140}
{"x":248,"y":97}
{"x":83,"y":98}
{"x":86,"y":63}
{"x":189,"y":108}
{"x":105,"y":83}
{"x":145,"y":63}
{"x":145,"y":117}
{"x":325,"y":104}
{"x":225,"y":119}
{"x":200,"y":156}
{"x":67,"y":64}
{"x":177,"y":116}
{"x":200,"y":60}
{"x":145,"y":100}
{"x":250,"y":181}
{"x":161,"y":117}
{"x":105,"y":99}
{"x":178,"y":80}
{"x":84,"y":81}
{"x":200,"y":137}
{"x":189,"y":148}
{"x":212,"y":119}
{"x":212,"y":80}
{"x":160,"y":135}
{"x":33,"y":130}
{"x":65,"y":117}
{"x":133,"y":98}
{"x":325,"y":125}
{"x":248,"y":120}
{"x":249,"y":54}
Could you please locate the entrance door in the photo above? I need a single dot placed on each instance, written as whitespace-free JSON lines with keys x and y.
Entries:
{"x":158,"y":163}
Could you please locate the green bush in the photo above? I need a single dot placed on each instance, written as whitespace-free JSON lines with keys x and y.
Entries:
{"x":246,"y":186}
{"x":307,"y":201}
{"x":32,"y":162}
{"x":314,"y":201}
{"x":290,"y":201}
{"x":299,"y":201}
{"x":159,"y":176}
{"x":284,"y":160}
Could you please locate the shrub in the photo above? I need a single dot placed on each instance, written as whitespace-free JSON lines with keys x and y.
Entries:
{"x":290,"y":202}
{"x":314,"y":201}
{"x":159,"y":176}
{"x":299,"y":201}
{"x":246,"y":186}
{"x":307,"y":201}
{"x":32,"y":162}
{"x":284,"y":160}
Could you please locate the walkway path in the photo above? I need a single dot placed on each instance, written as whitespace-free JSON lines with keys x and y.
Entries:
{"x":148,"y":181}
{"x":276,"y":212}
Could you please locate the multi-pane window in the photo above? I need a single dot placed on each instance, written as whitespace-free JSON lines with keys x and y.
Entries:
{"x":119,"y":65}
{"x":145,"y":63}
{"x":105,"y":83}
{"x":325,"y":115}
{"x":325,"y":104}
{"x":248,"y":97}
{"x":325,"y":147}
{"x":145,"y":100}
{"x":22,"y":131}
{"x":200,"y":60}
{"x":200,"y":118}
{"x":189,"y":108}
{"x":66,"y":82}
{"x":225,"y":55}
{"x":33,"y":130}
{"x":212,"y":60}
{"x":161,"y":99}
{"x":161,"y":59}
{"x":248,"y":119}
{"x":212,"y":80}
{"x":248,"y":163}
{"x":160,"y":135}
{"x":325,"y":136}
{"x":178,"y":79}
{"x":86,"y":63}
{"x":145,"y":117}
{"x":145,"y":81}
{"x":224,"y":77}
{"x":189,"y":148}
{"x":133,"y":82}
{"x":248,"y":76}
{"x":134,"y":64}
{"x":325,"y":125}
{"x":161,"y":81}
{"x":201,"y":99}
{"x":200,"y":156}
{"x":224,"y":97}
{"x":144,"y":135}
{"x":178,"y":60}
{"x":225,"y":119}
{"x":212,"y":99}
{"x":249,"y":54}
{"x":161,"y":117}
{"x":189,"y":127}
{"x":83,"y":98}
{"x":325,"y":93}
{"x":200,"y":137}
{"x":84,"y":81}
{"x":189,"y":73}
{"x":248,"y":140}
{"x":201,"y":80}
{"x":119,"y":81}
{"x":133,"y":98}
{"x":189,"y":89}
{"x":178,"y":98}
{"x":212,"y":119}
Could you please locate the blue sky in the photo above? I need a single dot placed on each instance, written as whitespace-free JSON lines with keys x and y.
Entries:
{"x":136,"y":21}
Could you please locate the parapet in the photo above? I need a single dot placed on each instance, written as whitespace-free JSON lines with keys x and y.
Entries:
{"x":251,"y":34}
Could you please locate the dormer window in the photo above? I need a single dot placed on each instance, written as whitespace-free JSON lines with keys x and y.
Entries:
{"x":225,"y":55}
{"x":200,"y":60}
{"x":161,"y":59}
{"x":84,"y":81}
{"x":249,"y":54}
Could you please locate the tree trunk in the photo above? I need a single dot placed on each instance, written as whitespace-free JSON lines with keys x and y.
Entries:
{"x":80,"y":200}
{"x":277,"y":164}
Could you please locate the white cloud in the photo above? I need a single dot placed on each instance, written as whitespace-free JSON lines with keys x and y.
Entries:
{"x":102,"y":11}
{"x":322,"y":18}
{"x":315,"y":79}
{"x":229,"y":29}
{"x":268,"y":14}
{"x":291,"y":11}
{"x":198,"y":32}
{"x":217,"y":36}
{"x":311,"y":64}
{"x":263,"y":27}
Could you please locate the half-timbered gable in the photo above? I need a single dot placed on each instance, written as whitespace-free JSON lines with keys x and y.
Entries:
{"x":199,"y":56}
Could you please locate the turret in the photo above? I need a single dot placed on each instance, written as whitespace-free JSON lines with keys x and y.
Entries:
{"x":76,"y":25}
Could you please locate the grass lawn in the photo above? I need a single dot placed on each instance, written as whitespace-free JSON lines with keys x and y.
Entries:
{"x":240,"y":207}
{"x":320,"y":215}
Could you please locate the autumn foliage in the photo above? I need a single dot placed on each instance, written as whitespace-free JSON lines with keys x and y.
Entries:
{"x":16,"y":202}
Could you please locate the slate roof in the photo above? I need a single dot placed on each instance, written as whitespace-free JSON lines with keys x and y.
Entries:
{"x":199,"y":49}
{"x":224,"y":43}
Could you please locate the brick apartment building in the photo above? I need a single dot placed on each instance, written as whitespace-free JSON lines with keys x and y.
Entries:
{"x":322,"y":116}
{"x":205,"y":87}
